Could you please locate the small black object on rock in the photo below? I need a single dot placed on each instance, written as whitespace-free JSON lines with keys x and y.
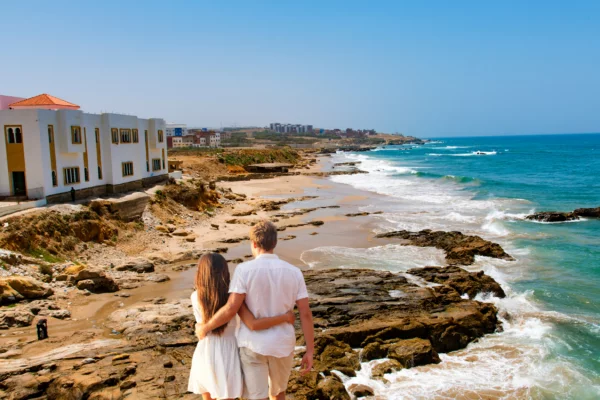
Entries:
{"x":42,"y":329}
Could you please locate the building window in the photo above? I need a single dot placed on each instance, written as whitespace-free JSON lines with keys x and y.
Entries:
{"x":161,"y":137}
{"x":54,"y":180}
{"x":86,"y":175}
{"x":127,"y":168}
{"x":100,"y":173}
{"x":97,"y":133}
{"x":76,"y":135}
{"x":155,"y":164}
{"x":71,"y":175}
{"x":136,"y":137}
{"x":114,"y":132}
{"x":11,"y":135}
{"x":50,"y":134}
{"x":125,"y":135}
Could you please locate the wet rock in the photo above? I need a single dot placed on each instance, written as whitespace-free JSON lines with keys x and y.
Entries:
{"x":588,"y":212}
{"x":557,"y":216}
{"x":332,"y":354}
{"x":17,"y":288}
{"x":360,"y":214}
{"x":552,"y":216}
{"x":139,"y":265}
{"x":358,"y":390}
{"x":385,"y":367}
{"x":464,"y":282}
{"x":355,"y":308}
{"x":372,"y":351}
{"x":413,"y":352}
{"x":459,"y":248}
{"x":331,"y":387}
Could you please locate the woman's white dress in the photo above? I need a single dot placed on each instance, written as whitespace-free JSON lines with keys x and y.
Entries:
{"x":216,"y":365}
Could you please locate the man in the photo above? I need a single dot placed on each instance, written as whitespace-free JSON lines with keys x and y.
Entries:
{"x":270,"y":287}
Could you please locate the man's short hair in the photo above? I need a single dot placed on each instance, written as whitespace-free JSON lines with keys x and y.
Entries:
{"x":264,"y":234}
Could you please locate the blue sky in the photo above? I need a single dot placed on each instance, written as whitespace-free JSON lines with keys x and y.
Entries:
{"x":422,"y":68}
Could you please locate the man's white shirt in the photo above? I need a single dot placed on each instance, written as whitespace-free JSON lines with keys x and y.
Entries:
{"x":272,"y":287}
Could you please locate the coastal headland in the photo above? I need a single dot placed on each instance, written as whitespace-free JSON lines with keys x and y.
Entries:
{"x":113,"y":277}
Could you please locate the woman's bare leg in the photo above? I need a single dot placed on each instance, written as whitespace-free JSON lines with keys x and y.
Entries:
{"x":206,"y":396}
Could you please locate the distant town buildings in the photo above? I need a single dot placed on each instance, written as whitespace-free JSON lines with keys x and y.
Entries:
{"x":290,"y":128}
{"x":348,"y":133}
{"x":196,"y":138}
{"x":176,"y":130}
{"x":52,"y":150}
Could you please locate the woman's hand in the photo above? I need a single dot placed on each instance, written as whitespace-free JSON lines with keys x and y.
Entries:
{"x":200,"y":333}
{"x":291,"y":317}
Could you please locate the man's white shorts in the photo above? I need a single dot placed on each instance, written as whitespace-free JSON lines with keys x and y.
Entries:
{"x":265,"y":375}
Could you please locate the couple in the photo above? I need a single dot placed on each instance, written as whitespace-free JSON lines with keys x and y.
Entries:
{"x":263,"y":293}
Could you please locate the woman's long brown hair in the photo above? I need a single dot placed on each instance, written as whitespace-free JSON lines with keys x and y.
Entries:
{"x":212,"y":286}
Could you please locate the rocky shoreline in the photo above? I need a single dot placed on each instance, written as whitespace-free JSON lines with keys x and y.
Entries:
{"x":404,"y":322}
{"x":140,"y":342}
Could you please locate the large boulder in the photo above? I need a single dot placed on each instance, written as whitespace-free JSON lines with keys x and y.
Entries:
{"x":15,"y":318}
{"x":17,"y":288}
{"x":94,"y":280}
{"x":139,"y":265}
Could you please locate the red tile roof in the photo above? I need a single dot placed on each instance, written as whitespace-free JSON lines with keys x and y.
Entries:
{"x":44,"y":101}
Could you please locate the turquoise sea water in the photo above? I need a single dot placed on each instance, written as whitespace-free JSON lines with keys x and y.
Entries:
{"x":550,"y":347}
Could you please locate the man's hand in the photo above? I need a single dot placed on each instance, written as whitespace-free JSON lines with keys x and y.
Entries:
{"x":291,"y":317}
{"x":307,"y":363}
{"x":200,"y":333}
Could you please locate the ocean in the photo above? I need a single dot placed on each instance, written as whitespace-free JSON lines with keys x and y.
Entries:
{"x":550,"y":344}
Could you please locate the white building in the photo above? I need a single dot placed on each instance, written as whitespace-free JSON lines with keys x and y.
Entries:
{"x":50,"y":149}
{"x":176,"y":129}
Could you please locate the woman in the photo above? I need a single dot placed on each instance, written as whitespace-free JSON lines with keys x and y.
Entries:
{"x":216,"y":372}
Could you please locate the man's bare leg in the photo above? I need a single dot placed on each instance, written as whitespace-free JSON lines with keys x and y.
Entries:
{"x":280,"y":396}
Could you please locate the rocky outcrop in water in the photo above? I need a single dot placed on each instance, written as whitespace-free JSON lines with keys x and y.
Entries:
{"x":459,"y":248}
{"x":464,"y":282}
{"x":558,"y":216}
{"x":387,"y":316}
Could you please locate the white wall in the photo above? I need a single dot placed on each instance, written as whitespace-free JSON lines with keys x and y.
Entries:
{"x":34,"y":178}
{"x":38,"y":172}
